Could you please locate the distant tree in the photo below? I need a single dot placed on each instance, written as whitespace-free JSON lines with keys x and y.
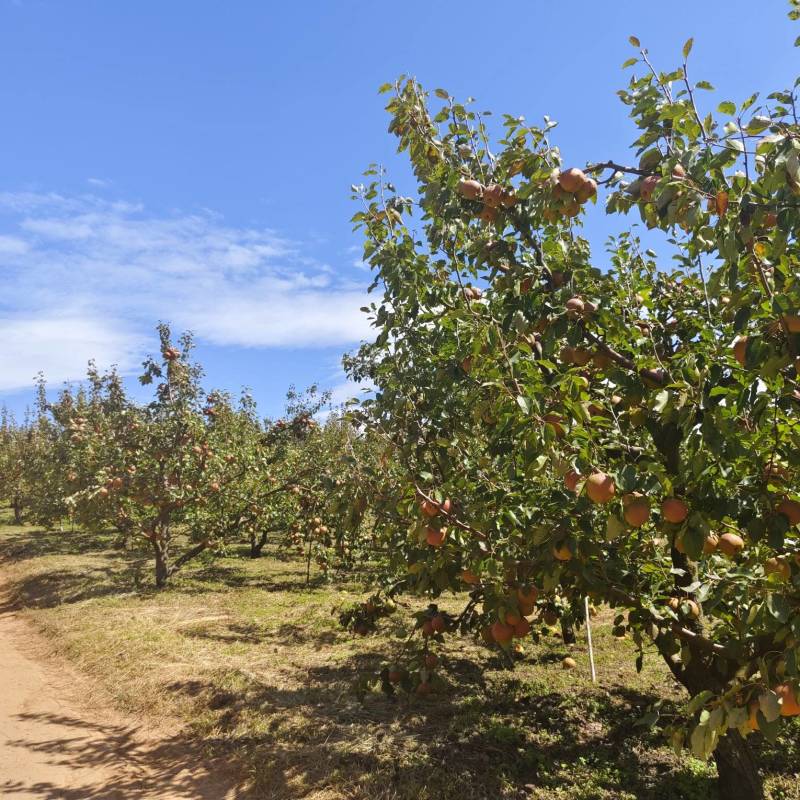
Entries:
{"x":13,"y":486}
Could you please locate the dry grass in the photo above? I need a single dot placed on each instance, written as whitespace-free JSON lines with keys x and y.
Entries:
{"x":253,"y":661}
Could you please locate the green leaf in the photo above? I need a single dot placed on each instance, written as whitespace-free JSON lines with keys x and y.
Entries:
{"x":749,"y":102}
{"x":769,"y":706}
{"x":731,"y":128}
{"x":687,"y":48}
{"x":661,"y":400}
{"x":737,"y":717}
{"x":703,"y":741}
{"x":769,"y":729}
{"x":629,"y":63}
{"x":792,"y":661}
{"x":699,"y":700}
{"x":727,"y":107}
{"x":704,"y":85}
{"x":716,"y":719}
{"x":779,"y":607}
{"x":442,"y":93}
{"x":615,"y":527}
{"x":776,"y":527}
{"x":523,"y":403}
{"x":634,"y":41}
{"x":647,"y":720}
{"x":694,"y":535}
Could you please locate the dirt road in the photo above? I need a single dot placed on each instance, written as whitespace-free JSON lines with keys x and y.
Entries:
{"x":53,"y":746}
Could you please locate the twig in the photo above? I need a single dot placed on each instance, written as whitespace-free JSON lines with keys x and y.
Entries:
{"x":451,"y":518}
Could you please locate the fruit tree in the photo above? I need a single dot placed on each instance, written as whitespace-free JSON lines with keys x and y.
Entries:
{"x":565,"y":424}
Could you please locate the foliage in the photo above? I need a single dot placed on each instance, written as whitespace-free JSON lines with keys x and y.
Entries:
{"x":13,"y":447}
{"x":630,"y":432}
{"x":188,"y":462}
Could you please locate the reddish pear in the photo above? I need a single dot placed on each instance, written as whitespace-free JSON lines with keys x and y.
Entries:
{"x":636,"y":509}
{"x":674,"y":510}
{"x":470,"y":189}
{"x":600,"y":487}
{"x":572,"y":179}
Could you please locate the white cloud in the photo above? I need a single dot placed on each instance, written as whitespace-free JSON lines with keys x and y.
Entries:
{"x":88,"y":277}
{"x":306,"y":318}
{"x":12,"y":245}
{"x":60,"y":347}
{"x":358,"y":262}
{"x":348,"y":390}
{"x":343,"y":391}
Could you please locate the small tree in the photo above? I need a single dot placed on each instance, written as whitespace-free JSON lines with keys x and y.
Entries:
{"x":303,"y":459}
{"x":172,"y":454}
{"x":46,"y":457}
{"x":98,"y":427}
{"x":13,"y":486}
{"x":149,"y":469}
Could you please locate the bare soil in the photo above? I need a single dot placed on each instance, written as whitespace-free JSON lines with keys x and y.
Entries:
{"x":58,"y":741}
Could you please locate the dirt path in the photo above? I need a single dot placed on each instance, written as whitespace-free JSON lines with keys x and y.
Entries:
{"x":52,"y":746}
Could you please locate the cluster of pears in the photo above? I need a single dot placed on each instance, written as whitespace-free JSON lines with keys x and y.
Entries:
{"x":317,"y":529}
{"x":572,"y":188}
{"x":435,"y":536}
{"x":600,"y":489}
{"x":112,"y":484}
{"x":512,"y":623}
{"x":493,"y":197}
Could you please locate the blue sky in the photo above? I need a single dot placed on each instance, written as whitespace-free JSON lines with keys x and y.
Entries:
{"x":191,"y":160}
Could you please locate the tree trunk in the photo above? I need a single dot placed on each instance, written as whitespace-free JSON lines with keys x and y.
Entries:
{"x":257,"y":545}
{"x":17,"y":506}
{"x":738,"y":775}
{"x":187,"y":557}
{"x":739,"y":778}
{"x":161,"y":548}
{"x":567,"y":632}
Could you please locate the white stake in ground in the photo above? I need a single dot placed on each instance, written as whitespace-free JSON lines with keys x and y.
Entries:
{"x":589,"y":637}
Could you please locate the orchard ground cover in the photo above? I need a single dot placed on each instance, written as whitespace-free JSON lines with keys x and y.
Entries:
{"x":253,"y":661}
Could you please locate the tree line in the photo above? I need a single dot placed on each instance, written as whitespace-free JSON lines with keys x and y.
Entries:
{"x":188,"y":473}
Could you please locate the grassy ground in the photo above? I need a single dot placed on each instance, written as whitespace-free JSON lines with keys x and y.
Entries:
{"x":253,"y":660}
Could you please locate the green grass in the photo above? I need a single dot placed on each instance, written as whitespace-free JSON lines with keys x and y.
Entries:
{"x":253,"y":661}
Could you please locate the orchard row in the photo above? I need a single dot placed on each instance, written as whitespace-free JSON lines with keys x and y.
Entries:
{"x":189,"y":473}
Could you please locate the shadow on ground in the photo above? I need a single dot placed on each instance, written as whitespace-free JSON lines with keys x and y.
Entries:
{"x":468,"y":741}
{"x":312,"y":735}
{"x":172,"y":769}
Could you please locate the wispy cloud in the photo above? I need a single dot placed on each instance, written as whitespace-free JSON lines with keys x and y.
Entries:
{"x":85,"y":276}
{"x":13,"y":245}
{"x":60,"y":346}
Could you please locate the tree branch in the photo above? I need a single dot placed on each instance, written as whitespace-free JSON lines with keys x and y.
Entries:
{"x":451,"y":518}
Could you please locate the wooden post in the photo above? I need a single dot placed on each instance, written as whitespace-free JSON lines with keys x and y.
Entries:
{"x":589,"y":637}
